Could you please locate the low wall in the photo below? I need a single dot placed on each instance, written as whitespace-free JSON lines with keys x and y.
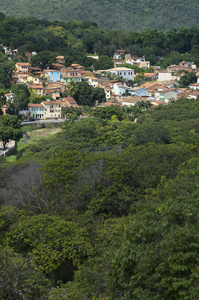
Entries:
{"x":9,"y":150}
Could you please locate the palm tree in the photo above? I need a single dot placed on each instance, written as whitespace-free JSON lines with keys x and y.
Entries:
{"x":72,"y":88}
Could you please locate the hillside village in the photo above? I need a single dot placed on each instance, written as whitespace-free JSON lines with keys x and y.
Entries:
{"x":99,"y":162}
{"x":119,"y":84}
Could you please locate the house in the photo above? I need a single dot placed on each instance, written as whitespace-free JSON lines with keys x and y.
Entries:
{"x":185,"y":64}
{"x":4,"y":108}
{"x":167,"y":95}
{"x":184,"y":94}
{"x":108,"y":92}
{"x":118,"y":54}
{"x":171,"y":84}
{"x":36,"y":111}
{"x":156,"y":103}
{"x":22,"y":67}
{"x":51,"y":92}
{"x":26,"y":78}
{"x":59,"y":86}
{"x":52,"y":109}
{"x":119,"y":89}
{"x":193,"y":95}
{"x":155,"y":90}
{"x":69,"y":78}
{"x":57,"y":66}
{"x":37,"y":88}
{"x":86,"y":74}
{"x":149,"y":85}
{"x":9,"y":97}
{"x":151,"y":76}
{"x":133,"y":60}
{"x":166,"y":76}
{"x":93,"y":82}
{"x":125,"y":73}
{"x":69,"y":101}
{"x":77,"y":67}
{"x":66,"y":72}
{"x":144,"y":64}
{"x":131,"y":101}
{"x":56,"y":96}
{"x":194,"y":86}
{"x":118,"y":62}
{"x":22,"y":78}
{"x":35,"y":70}
{"x":60,"y":59}
{"x":53,"y":75}
{"x":142,"y":92}
{"x":5,"y":48}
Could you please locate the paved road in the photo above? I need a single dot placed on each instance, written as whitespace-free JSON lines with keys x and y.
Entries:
{"x":43,"y":121}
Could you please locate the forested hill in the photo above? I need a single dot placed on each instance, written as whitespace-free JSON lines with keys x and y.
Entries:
{"x":109,"y":14}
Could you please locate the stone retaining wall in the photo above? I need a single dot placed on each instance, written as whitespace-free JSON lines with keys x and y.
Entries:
{"x":9,"y":150}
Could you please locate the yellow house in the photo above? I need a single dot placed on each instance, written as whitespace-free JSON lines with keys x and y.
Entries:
{"x":26,"y":78}
{"x":145,"y":64}
{"x":22,"y":67}
{"x":37,"y":88}
{"x":86,"y":74}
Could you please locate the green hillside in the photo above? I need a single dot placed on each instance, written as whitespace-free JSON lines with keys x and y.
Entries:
{"x":119,"y":14}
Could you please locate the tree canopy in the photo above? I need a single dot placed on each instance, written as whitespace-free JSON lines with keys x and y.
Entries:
{"x":10,"y":129}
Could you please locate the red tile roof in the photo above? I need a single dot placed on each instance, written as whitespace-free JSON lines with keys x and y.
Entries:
{"x":35,"y":105}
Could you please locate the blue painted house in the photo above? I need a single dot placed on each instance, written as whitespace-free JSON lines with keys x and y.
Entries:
{"x":54,"y":75}
{"x":141,"y":92}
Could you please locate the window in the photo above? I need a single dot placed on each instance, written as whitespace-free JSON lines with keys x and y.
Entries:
{"x":124,"y":73}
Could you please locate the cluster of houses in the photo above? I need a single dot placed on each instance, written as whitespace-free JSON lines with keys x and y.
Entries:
{"x":160,"y":88}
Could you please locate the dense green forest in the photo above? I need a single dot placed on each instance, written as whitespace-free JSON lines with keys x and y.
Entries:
{"x":109,"y":14}
{"x":75,"y":39}
{"x":105,"y":209}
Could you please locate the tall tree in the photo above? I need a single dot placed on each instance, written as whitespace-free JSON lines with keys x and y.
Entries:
{"x":10,"y":129}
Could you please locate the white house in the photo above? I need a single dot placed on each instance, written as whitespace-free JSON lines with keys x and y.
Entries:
{"x":193,"y":95}
{"x":119,"y":89}
{"x":118,"y":54}
{"x":52,"y":109}
{"x":166,"y":76}
{"x":93,"y":82}
{"x":9,"y":97}
{"x":125,"y":73}
{"x":107,"y":93}
{"x":194,"y":86}
{"x":133,"y":60}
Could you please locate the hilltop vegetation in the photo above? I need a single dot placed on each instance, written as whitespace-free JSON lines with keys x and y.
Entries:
{"x":109,"y":14}
{"x":75,"y":39}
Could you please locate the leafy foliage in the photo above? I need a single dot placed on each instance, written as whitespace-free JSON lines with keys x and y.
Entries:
{"x":110,"y":210}
{"x":10,"y":129}
{"x":107,"y":13}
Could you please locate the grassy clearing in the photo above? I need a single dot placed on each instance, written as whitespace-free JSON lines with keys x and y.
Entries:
{"x":34,"y":134}
{"x":43,"y":132}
